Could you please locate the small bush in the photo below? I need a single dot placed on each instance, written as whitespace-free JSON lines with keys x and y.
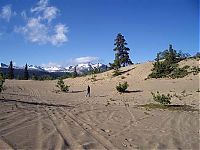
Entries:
{"x":61,"y":85}
{"x":116,"y":73}
{"x":2,"y":80}
{"x":162,"y":99}
{"x":122,"y":87}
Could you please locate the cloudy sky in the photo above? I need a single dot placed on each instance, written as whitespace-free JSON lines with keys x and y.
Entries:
{"x":62,"y":32}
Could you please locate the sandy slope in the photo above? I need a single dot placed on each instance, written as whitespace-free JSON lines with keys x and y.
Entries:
{"x":36,"y":116}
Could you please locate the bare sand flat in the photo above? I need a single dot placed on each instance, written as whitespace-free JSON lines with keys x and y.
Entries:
{"x":34,"y":115}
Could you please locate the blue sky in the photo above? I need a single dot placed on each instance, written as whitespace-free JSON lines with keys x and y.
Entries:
{"x":63,"y":32}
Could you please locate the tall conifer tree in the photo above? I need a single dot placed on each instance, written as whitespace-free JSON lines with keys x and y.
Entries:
{"x":122,"y":52}
{"x":11,"y":71}
{"x":26,"y":74}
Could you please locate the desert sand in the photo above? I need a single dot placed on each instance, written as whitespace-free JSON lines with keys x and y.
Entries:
{"x":35,"y":115}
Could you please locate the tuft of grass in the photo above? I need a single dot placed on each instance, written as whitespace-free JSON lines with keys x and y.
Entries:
{"x":169,"y":107}
{"x":161,"y":98}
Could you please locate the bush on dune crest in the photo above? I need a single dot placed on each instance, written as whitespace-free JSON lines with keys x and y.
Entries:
{"x":168,"y":67}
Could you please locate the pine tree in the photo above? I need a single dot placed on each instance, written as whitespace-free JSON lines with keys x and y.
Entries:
{"x":122,"y":54}
{"x":26,"y":74}
{"x":11,"y":71}
{"x":75,"y":74}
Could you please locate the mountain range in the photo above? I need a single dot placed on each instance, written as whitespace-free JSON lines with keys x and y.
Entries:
{"x":55,"y":70}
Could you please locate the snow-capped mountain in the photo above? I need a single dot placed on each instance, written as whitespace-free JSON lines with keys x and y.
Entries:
{"x":55,"y":69}
{"x":2,"y":65}
{"x":80,"y":68}
{"x":34,"y":67}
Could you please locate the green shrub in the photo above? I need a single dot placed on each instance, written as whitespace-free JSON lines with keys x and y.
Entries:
{"x":122,"y":87}
{"x":2,"y":80}
{"x":162,"y":99}
{"x":179,"y":73}
{"x":61,"y":85}
{"x":168,"y":67}
{"x":116,"y":73}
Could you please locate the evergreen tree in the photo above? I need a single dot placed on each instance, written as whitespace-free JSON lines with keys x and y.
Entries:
{"x":122,"y":52}
{"x":11,"y":71}
{"x":75,"y":74}
{"x":26,"y":74}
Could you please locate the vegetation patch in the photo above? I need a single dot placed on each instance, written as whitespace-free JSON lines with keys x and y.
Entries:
{"x":116,"y":72}
{"x":179,"y":72}
{"x":169,"y":107}
{"x":166,"y":65}
{"x":121,"y":87}
{"x":162,"y":98}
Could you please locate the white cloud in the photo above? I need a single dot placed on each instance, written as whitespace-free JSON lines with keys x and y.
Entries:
{"x":23,"y":14}
{"x":41,"y":5}
{"x":46,"y":12}
{"x":34,"y":31}
{"x":50,"y":13}
{"x":86,"y":59}
{"x":59,"y":36}
{"x":39,"y":29}
{"x":6,"y":12}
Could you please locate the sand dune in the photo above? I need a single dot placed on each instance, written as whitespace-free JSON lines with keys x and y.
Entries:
{"x":34,"y":115}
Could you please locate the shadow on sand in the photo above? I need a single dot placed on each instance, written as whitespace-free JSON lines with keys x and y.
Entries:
{"x":77,"y":91}
{"x":134,"y":91}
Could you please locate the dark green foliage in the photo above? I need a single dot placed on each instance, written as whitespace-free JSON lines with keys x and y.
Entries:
{"x":2,"y":80}
{"x":11,"y":71}
{"x":162,"y":69}
{"x":34,"y":77}
{"x":179,"y":73}
{"x":61,"y":85}
{"x":26,"y":74}
{"x":122,"y":87}
{"x":122,"y":53}
{"x":162,"y":99}
{"x":168,"y":67}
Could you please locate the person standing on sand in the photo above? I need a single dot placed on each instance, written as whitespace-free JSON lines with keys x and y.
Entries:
{"x":88,"y":91}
